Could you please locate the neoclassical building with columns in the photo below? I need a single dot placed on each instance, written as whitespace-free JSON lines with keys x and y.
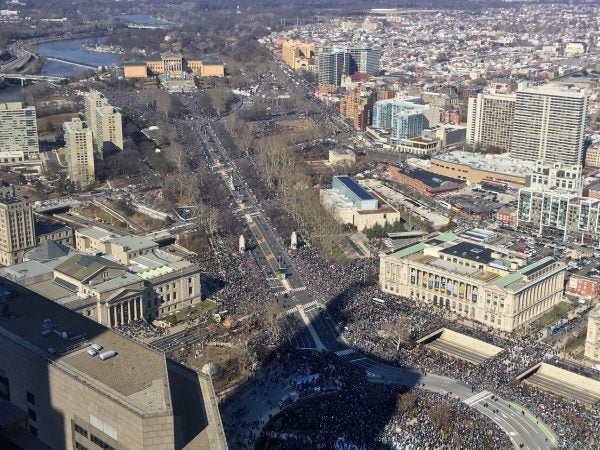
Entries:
{"x":128,"y":279}
{"x":491,"y":285}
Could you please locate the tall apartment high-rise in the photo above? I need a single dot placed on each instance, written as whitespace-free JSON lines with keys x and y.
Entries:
{"x":405,"y":118}
{"x":490,"y":120}
{"x":332,"y":64}
{"x":17,"y":230}
{"x":109,"y":130}
{"x":93,"y":100}
{"x":18,"y":132}
{"x":79,"y":151}
{"x":549,"y":124}
{"x":358,"y":105}
{"x":364,"y":60}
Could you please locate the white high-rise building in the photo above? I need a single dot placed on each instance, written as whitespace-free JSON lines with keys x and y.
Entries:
{"x":18,"y":132}
{"x":79,"y":151}
{"x":549,"y":124}
{"x":93,"y":100}
{"x":109,"y":130}
{"x":490,"y":120}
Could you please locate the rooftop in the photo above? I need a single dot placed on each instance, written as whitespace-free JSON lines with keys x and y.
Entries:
{"x":501,"y":267}
{"x":49,"y":250}
{"x":431,"y":179}
{"x":136,"y":375}
{"x":11,"y":200}
{"x":131,"y":242}
{"x":489,"y":163}
{"x":96,"y":233}
{"x":469,"y":250}
{"x":82,"y":267}
{"x":125,"y":280}
{"x":354,"y":187}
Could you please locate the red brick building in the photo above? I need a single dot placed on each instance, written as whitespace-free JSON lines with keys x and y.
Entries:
{"x":508,"y":216}
{"x":358,"y":105}
{"x":423,"y":181}
{"x":583,"y":285}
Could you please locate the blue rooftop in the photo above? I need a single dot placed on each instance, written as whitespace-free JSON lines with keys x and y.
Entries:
{"x":355,"y":187}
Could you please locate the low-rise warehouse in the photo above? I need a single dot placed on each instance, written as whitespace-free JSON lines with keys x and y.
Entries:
{"x":424,"y":181}
{"x":477,"y":167}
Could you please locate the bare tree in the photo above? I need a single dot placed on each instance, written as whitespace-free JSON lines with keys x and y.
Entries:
{"x":398,"y":331}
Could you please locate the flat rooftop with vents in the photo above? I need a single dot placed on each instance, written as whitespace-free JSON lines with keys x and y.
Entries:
{"x":135,"y":380}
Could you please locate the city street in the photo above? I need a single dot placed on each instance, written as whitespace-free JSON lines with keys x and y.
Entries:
{"x":519,"y":424}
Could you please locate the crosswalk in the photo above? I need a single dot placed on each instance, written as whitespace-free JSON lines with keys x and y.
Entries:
{"x":347,"y":351}
{"x":298,"y":289}
{"x":291,"y":311}
{"x":312,"y":304}
{"x":483,"y":395}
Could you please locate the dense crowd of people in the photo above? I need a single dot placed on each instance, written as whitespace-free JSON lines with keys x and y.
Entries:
{"x":351,"y":303}
{"x":348,"y":291}
{"x":365,"y":416}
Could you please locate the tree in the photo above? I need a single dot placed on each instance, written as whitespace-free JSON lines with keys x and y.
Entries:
{"x":406,"y":403}
{"x":441,"y":416}
{"x":398,"y":331}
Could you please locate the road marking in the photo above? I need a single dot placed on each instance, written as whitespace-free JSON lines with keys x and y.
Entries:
{"x":345,"y":352}
{"x":357,"y":359}
{"x":477,"y":398}
{"x":536,"y":422}
{"x":291,"y":311}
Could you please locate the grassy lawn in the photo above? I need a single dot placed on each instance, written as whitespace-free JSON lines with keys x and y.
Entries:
{"x":556,"y":313}
{"x":191,"y":312}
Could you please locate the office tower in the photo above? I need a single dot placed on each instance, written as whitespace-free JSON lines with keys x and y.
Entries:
{"x":79,"y":151}
{"x":17,"y":229}
{"x":18,"y":132}
{"x":405,"y":119}
{"x":490,"y":120}
{"x":332,"y":64}
{"x":293,"y":52}
{"x":109,"y":130}
{"x":67,"y":382}
{"x":93,"y":100}
{"x":549,"y":124}
{"x":364,"y":60}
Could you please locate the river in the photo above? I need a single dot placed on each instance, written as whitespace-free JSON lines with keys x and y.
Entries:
{"x":72,"y":49}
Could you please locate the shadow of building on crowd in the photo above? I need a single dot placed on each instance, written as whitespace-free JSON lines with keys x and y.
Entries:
{"x":57,"y":390}
{"x":377,"y":403}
